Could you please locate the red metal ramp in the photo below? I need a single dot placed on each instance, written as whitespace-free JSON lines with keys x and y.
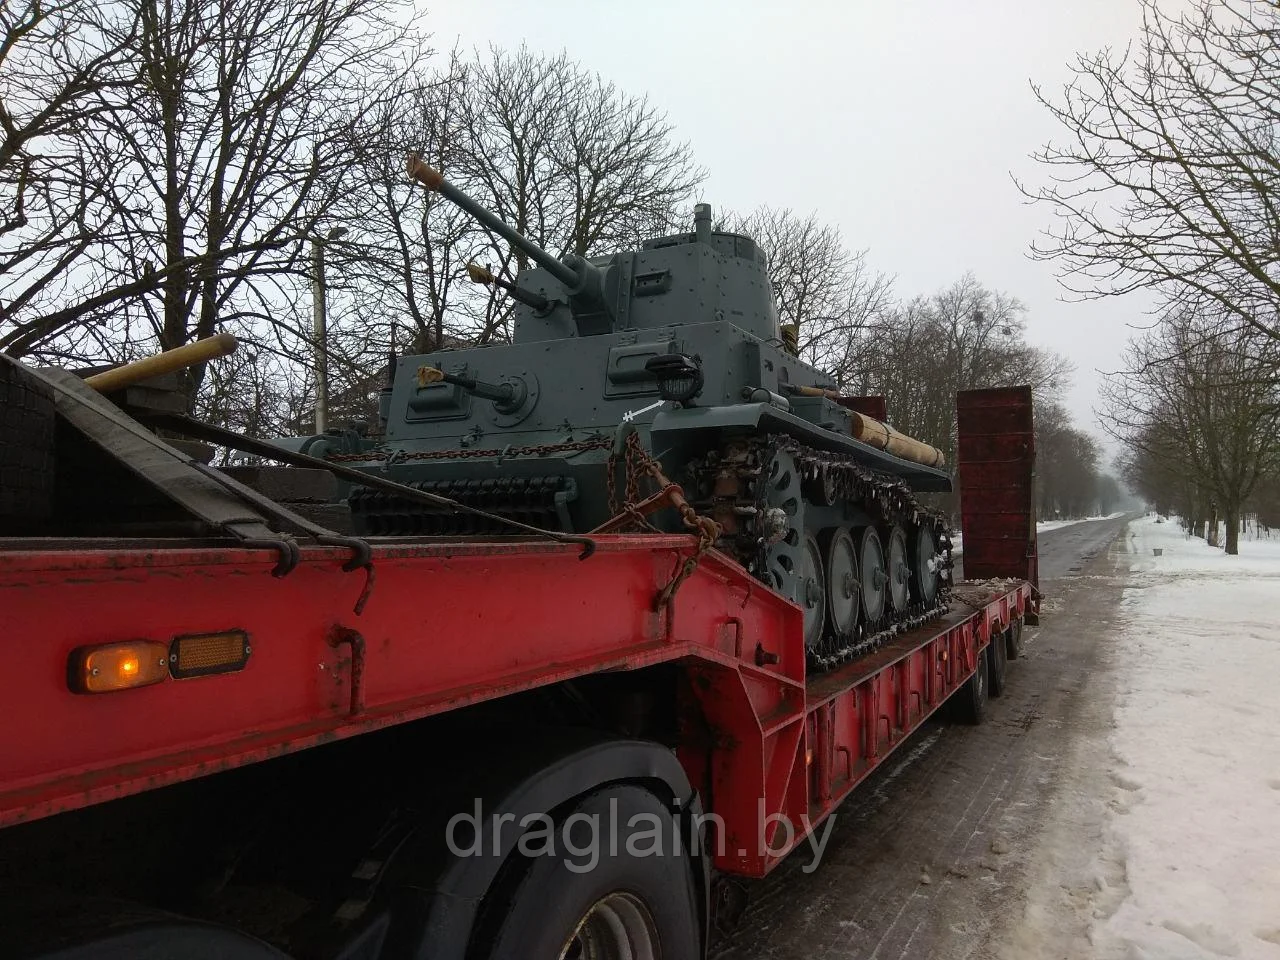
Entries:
{"x":996,"y":470}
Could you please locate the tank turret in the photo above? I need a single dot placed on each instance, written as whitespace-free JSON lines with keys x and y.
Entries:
{"x":572,"y":295}
{"x":672,"y":349}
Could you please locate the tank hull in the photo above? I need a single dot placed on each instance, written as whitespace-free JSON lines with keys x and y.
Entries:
{"x":546,"y":457}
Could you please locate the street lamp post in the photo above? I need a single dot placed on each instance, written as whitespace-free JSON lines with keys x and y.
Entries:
{"x":320,"y":324}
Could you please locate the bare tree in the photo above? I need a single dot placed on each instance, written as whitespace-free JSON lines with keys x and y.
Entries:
{"x":1110,"y":494}
{"x":409,"y":247}
{"x":1200,"y":416}
{"x":965,"y":336}
{"x":1168,"y":176}
{"x":56,"y":62}
{"x":824,"y":290}
{"x":256,"y":392}
{"x":1265,"y":502}
{"x":229,"y":157}
{"x":561,"y":155}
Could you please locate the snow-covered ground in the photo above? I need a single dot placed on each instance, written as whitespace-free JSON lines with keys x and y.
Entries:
{"x":1194,"y":822}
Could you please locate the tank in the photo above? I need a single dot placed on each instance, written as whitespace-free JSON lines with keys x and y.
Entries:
{"x":678,"y":344}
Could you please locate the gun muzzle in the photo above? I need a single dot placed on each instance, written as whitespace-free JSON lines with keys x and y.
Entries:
{"x":479,"y":274}
{"x":434,"y":180}
{"x":503,"y":394}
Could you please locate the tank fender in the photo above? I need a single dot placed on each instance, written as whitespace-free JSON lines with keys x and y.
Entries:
{"x":674,"y":429}
{"x":435,"y":894}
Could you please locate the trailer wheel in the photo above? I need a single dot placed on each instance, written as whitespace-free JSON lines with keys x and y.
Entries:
{"x":970,"y":701}
{"x":998,"y":659}
{"x":1015,"y":638}
{"x":639,"y":900}
{"x":26,"y":445}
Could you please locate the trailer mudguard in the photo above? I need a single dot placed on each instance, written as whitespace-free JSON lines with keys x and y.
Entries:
{"x":433,"y":894}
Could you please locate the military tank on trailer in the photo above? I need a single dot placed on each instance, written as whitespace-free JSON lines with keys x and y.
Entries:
{"x":671,"y":355}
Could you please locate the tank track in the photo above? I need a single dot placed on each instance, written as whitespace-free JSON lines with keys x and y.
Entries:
{"x":541,"y":501}
{"x":732,"y":490}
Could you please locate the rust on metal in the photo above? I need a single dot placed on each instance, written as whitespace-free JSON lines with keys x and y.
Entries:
{"x":355,"y":642}
{"x":649,"y":505}
{"x":425,"y":174}
{"x":637,"y":462}
{"x":429,"y":375}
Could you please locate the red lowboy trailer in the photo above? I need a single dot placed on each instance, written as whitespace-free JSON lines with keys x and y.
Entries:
{"x":455,"y":749}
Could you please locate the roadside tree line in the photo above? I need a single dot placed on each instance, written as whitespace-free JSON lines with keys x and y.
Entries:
{"x":1198,"y":409}
{"x":1165,"y":181}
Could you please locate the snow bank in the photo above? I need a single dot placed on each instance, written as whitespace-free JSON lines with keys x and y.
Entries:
{"x":1195,"y":816}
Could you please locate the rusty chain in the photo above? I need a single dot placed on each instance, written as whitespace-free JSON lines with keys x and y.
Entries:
{"x":637,"y":461}
{"x":530,"y":450}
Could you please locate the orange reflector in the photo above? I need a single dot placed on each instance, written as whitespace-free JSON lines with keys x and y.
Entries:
{"x":201,"y":654}
{"x":117,"y":666}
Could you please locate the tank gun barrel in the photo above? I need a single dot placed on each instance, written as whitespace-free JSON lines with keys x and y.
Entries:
{"x":434,"y":180}
{"x":479,"y":274}
{"x":499,"y":393}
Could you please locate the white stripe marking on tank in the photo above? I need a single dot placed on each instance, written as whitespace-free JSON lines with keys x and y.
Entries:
{"x":632,"y":414}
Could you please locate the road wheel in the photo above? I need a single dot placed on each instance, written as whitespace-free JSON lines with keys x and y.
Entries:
{"x":898,"y":568}
{"x":970,"y":701}
{"x":26,"y":446}
{"x":872,"y":566}
{"x":844,"y":592}
{"x":639,"y":900}
{"x":998,"y":658}
{"x":1015,"y":639}
{"x":813,"y":593}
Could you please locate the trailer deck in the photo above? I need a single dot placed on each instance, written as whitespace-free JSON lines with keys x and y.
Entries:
{"x":443,"y":625}
{"x":170,"y":623}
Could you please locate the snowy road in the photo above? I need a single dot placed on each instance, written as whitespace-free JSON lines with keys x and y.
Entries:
{"x":931,"y":857}
{"x":1062,"y":548}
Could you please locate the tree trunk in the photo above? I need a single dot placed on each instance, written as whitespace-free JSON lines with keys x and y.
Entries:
{"x":1233,"y":530}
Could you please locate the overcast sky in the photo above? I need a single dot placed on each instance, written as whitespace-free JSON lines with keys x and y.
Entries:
{"x":900,"y":121}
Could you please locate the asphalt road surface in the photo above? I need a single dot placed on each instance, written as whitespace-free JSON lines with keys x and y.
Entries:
{"x":929,"y":857}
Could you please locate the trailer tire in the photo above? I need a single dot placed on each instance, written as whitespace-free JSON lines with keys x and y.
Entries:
{"x":970,"y":701}
{"x":1015,"y":638}
{"x":998,"y":661}
{"x":26,"y":445}
{"x":540,"y":904}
